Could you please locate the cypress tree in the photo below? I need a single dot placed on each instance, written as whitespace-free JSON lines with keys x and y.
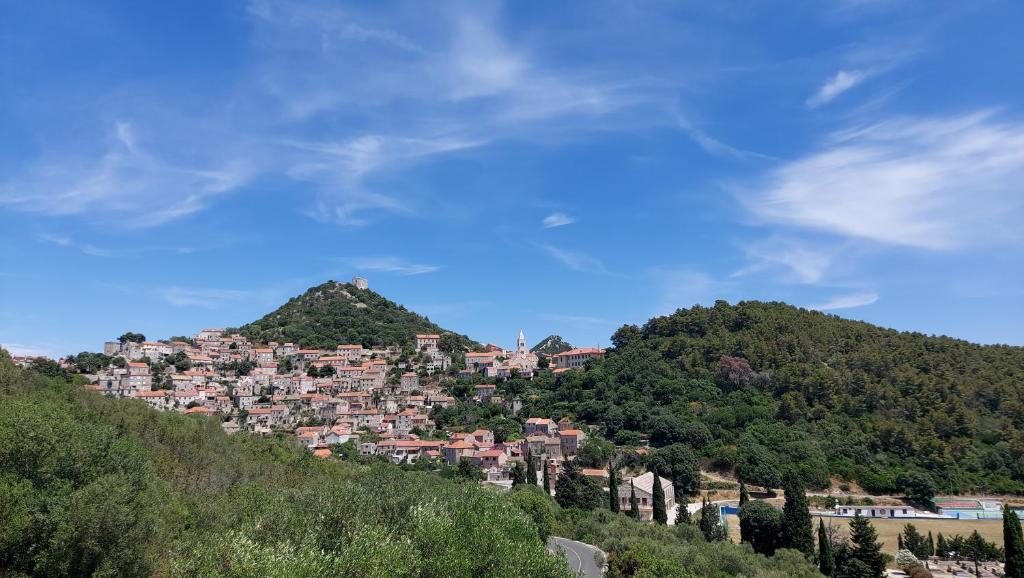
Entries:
{"x":613,"y":488}
{"x":634,"y":508}
{"x":744,"y":496}
{"x":658,"y":493}
{"x":518,"y":475}
{"x":899,"y":542}
{"x":797,"y":527}
{"x":531,"y":472}
{"x":547,"y":479}
{"x":1013,"y":544}
{"x":941,"y":548}
{"x":826,"y":560}
{"x":931,"y":544}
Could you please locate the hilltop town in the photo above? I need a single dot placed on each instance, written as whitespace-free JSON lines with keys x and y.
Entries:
{"x":378,"y":400}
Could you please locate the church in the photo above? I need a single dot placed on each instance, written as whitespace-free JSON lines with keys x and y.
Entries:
{"x":504,"y":363}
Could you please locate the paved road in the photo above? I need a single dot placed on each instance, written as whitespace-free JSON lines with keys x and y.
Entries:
{"x":579,"y":555}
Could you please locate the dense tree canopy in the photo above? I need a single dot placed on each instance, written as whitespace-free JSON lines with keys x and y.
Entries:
{"x":335,"y":313}
{"x":766,"y":387}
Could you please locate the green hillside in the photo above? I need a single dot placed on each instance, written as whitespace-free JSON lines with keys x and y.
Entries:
{"x":551,"y":345}
{"x":760,"y":387}
{"x":335,"y":313}
{"x":95,"y":486}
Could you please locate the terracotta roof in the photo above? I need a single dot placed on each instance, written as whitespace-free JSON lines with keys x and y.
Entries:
{"x":322,"y":453}
{"x":582,"y":351}
{"x":459,"y":445}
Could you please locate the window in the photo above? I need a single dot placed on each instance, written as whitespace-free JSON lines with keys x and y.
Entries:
{"x":643,"y":501}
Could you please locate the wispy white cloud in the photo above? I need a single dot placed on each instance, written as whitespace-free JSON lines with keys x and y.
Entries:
{"x":714,"y":146}
{"x":126,"y":185}
{"x":558,"y":220}
{"x":30,"y":350}
{"x":392,"y":265}
{"x":842,"y":81}
{"x":936,"y":183}
{"x":86,"y":248}
{"x":682,"y":287}
{"x":575,"y":260}
{"x":847,"y":301}
{"x":578,"y":320}
{"x":203,"y":297}
{"x":800,"y":262}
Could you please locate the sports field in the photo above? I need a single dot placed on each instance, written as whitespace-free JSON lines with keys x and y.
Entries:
{"x":889,"y":529}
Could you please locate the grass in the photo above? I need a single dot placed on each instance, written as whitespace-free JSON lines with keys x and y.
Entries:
{"x":888,"y":530}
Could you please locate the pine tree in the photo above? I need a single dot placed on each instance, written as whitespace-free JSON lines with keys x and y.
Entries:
{"x":744,"y":496}
{"x":613,"y":488}
{"x":826,"y":560}
{"x":941,"y":548}
{"x":547,"y":478}
{"x":710,"y":522}
{"x":682,"y":511}
{"x":1013,"y":544}
{"x":658,"y":493}
{"x":634,"y":508}
{"x":867,"y":552}
{"x":797,"y":527}
{"x":531,"y":472}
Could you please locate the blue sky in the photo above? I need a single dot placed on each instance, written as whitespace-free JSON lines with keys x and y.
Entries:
{"x":560,"y":167}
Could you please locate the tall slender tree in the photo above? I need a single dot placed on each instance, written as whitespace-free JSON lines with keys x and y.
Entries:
{"x":531,"y":471}
{"x":613,"y":487}
{"x":826,"y":559}
{"x":1013,"y":544}
{"x":547,"y":477}
{"x":744,"y":496}
{"x":658,"y":494}
{"x":941,"y":547}
{"x":518,"y":474}
{"x":931,"y":544}
{"x":634,"y":508}
{"x":797,"y":528}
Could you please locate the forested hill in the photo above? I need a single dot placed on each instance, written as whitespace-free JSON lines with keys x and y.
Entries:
{"x":97,"y":486}
{"x":336,"y":313}
{"x":761,"y":386}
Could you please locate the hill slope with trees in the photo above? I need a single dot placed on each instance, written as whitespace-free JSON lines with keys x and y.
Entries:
{"x":96,"y":486}
{"x":336,"y":313}
{"x":761,"y":387}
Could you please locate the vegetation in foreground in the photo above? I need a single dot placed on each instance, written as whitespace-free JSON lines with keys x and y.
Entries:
{"x":93,"y":486}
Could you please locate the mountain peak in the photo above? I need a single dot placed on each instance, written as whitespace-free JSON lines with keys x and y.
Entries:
{"x":335,"y":313}
{"x":551,"y":345}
